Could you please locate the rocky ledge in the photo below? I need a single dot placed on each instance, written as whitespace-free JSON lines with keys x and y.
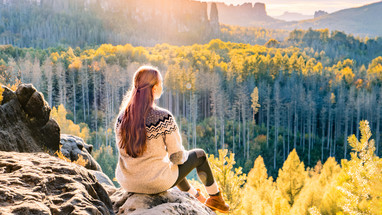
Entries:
{"x":37,"y":183}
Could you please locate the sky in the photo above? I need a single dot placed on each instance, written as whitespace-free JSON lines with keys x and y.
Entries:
{"x":306,"y":7}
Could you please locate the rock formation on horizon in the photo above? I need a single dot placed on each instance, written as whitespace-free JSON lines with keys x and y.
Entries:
{"x":319,"y":13}
{"x":214,"y":19}
{"x":246,"y":14}
{"x":259,"y":10}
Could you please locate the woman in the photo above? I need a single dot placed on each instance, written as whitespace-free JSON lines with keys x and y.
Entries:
{"x":152,"y":158}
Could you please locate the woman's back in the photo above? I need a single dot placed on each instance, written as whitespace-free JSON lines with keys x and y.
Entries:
{"x":152,"y":172}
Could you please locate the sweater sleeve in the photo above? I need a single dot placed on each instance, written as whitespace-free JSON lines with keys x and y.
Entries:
{"x":173,"y":140}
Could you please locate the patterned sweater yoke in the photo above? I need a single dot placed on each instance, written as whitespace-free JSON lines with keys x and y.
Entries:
{"x":159,"y":122}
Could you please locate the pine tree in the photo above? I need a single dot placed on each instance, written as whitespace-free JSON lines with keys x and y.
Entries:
{"x":291,"y":178}
{"x":360,"y":175}
{"x":259,"y":190}
{"x":228,"y":178}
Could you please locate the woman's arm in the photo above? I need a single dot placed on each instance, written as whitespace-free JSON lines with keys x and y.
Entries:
{"x":173,"y":140}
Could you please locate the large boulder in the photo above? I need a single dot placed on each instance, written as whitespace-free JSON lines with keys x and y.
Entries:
{"x":37,"y":183}
{"x":172,"y":201}
{"x":24,"y":122}
{"x":72,"y":147}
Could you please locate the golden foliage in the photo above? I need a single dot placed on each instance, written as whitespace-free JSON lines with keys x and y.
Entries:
{"x":314,"y":211}
{"x":15,"y":85}
{"x":255,"y":101}
{"x":291,"y":178}
{"x":1,"y":93}
{"x":61,"y":156}
{"x":375,"y":69}
{"x":76,"y":64}
{"x":67,"y":126}
{"x":360,"y":175}
{"x":229,"y":179}
{"x":260,"y":192}
{"x":80,"y":161}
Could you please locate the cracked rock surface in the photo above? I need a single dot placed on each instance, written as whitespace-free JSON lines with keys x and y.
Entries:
{"x":37,"y":183}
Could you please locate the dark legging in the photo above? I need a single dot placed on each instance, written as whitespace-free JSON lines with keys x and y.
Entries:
{"x":196,"y":159}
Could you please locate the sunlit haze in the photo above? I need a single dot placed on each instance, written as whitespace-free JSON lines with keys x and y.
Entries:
{"x":306,"y":7}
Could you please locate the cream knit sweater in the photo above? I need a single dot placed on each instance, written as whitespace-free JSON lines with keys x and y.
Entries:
{"x":153,"y":172}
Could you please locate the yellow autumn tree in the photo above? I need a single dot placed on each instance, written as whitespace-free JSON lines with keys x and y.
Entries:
{"x":67,"y":126}
{"x":374,"y":72}
{"x":291,"y":178}
{"x":361,"y":176}
{"x":229,"y":179}
{"x":315,"y":189}
{"x":327,"y":187}
{"x":259,"y":190}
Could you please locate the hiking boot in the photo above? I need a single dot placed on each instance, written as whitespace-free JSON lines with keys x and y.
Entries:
{"x":217,"y":203}
{"x":200,"y":196}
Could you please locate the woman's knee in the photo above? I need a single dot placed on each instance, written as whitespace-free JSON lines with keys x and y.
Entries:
{"x":200,"y":153}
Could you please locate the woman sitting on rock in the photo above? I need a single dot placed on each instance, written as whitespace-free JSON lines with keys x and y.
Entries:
{"x":152,"y":158}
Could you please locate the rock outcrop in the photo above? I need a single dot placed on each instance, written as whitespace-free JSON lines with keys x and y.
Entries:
{"x":24,"y":122}
{"x":214,"y":19}
{"x":37,"y":183}
{"x":172,"y":201}
{"x":73,"y":146}
{"x":259,"y":9}
{"x":320,"y":13}
{"x":245,"y":14}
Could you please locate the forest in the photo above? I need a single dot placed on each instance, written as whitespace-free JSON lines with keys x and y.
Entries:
{"x":44,"y":24}
{"x":287,"y":102}
{"x":47,"y":23}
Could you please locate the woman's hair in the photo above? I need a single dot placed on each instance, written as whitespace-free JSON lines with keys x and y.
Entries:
{"x":132,"y":129}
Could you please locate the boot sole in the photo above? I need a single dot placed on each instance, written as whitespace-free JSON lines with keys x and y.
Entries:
{"x":217,"y":209}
